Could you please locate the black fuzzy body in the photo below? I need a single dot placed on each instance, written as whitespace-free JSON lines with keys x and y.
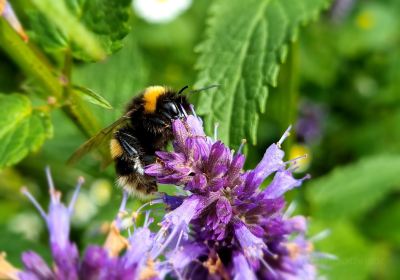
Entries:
{"x":141,"y":137}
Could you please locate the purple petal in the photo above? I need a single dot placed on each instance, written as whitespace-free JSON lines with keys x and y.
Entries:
{"x":176,"y":179}
{"x":252,"y":245}
{"x":233,"y":173}
{"x":219,"y":170}
{"x":66,"y":260}
{"x":297,"y":224}
{"x":186,"y":212}
{"x":35,"y":265}
{"x":216,"y":184}
{"x":257,"y":230}
{"x":241,"y":268}
{"x":282,"y":182}
{"x":197,"y":184}
{"x":177,"y":224}
{"x":172,"y":202}
{"x":224,"y":210}
{"x":58,"y":222}
{"x":185,"y":254}
{"x":180,"y":133}
{"x":247,"y":187}
{"x":219,"y":154}
{"x":155,"y":170}
{"x":274,"y":227}
{"x":271,"y":162}
{"x":195,"y":125}
{"x":167,"y":156}
{"x":94,"y":263}
{"x":141,"y":242}
{"x":197,"y":148}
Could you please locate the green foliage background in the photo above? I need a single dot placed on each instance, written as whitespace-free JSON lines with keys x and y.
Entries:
{"x":86,"y":59}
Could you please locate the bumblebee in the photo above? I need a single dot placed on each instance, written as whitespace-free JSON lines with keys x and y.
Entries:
{"x":134,"y":138}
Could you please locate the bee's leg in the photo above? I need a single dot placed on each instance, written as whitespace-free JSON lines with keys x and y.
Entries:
{"x":131,"y":151}
{"x":158,"y":121}
{"x":128,"y":143}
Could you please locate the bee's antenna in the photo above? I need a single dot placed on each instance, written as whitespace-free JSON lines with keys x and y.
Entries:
{"x":182,"y":89}
{"x":204,"y":88}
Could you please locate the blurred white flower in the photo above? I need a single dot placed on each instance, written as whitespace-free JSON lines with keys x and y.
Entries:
{"x":160,"y":11}
{"x":27,"y":224}
{"x":100,"y":191}
{"x":85,"y":209}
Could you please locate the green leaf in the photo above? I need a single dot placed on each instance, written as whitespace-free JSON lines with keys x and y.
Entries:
{"x":356,"y":256}
{"x":386,"y":225}
{"x":46,"y":34}
{"x":91,"y":96}
{"x":22,"y":129}
{"x":350,"y":191}
{"x":247,"y":42}
{"x":58,"y":13}
{"x":95,"y":27}
{"x":108,"y":19}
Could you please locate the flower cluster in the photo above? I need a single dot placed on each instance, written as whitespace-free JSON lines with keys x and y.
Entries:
{"x":225,"y":227}
{"x":98,"y":262}
{"x":240,"y":229}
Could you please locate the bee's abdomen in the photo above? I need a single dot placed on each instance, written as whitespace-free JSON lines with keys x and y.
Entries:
{"x":140,"y":185}
{"x":129,"y":166}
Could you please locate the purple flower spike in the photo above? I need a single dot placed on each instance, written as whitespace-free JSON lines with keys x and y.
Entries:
{"x":226,"y":209}
{"x":64,"y":252}
{"x":98,"y":263}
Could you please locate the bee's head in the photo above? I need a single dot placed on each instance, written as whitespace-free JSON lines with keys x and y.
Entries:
{"x":171,"y":109}
{"x":162,"y":104}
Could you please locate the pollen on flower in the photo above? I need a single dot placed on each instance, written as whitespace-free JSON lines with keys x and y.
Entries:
{"x":115,"y":242}
{"x":7,"y":270}
{"x":215,"y":267}
{"x":149,"y":271}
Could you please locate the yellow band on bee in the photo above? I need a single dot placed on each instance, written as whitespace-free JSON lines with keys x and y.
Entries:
{"x":150,"y":98}
{"x":115,"y":149}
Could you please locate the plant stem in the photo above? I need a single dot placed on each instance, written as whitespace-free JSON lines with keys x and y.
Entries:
{"x":35,"y":65}
{"x":26,"y":58}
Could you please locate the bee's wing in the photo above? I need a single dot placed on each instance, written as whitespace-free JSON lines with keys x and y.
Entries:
{"x":97,"y":141}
